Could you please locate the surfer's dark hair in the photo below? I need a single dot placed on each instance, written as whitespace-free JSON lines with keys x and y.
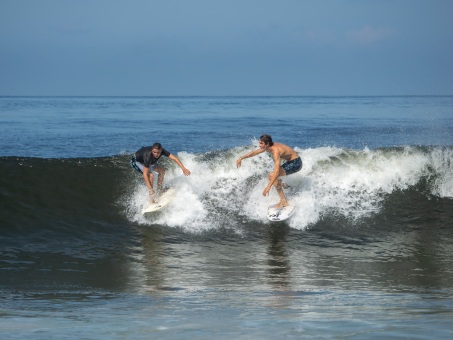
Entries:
{"x":266,"y":139}
{"x":157,"y":146}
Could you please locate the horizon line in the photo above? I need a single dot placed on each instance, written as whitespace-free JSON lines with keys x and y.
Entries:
{"x":214,"y":96}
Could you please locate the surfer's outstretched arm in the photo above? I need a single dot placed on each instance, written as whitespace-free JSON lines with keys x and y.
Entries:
{"x":177,"y":161}
{"x":248,"y":155}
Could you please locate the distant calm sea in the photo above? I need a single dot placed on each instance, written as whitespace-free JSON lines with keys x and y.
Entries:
{"x":368,"y":253}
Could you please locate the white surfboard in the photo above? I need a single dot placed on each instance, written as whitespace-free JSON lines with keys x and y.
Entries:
{"x":163,"y":201}
{"x":280,"y":214}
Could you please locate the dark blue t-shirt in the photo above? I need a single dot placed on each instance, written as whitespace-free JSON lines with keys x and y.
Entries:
{"x":145,"y":156}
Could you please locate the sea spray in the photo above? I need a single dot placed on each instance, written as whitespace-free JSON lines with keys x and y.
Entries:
{"x":351,"y":184}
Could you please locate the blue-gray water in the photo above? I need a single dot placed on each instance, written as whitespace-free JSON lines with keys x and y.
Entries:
{"x":367,"y":253}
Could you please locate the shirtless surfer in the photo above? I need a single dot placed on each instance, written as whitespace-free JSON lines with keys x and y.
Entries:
{"x":279,"y":151}
{"x":145,"y":161}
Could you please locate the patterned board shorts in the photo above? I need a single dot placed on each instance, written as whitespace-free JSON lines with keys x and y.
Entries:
{"x":137,"y":166}
{"x":134,"y":165}
{"x":293,"y":166}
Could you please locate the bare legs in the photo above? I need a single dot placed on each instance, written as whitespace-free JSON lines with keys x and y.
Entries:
{"x":279,"y":187}
{"x":160,"y":180}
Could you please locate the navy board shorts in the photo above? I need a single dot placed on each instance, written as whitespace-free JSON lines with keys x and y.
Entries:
{"x":137,"y":166}
{"x":293,"y":166}
{"x":134,"y":165}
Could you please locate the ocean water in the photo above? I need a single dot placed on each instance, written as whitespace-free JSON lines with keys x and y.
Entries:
{"x":368,"y":253}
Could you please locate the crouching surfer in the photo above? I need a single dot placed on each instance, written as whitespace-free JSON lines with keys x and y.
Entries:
{"x":146,"y":160}
{"x":278,"y":151}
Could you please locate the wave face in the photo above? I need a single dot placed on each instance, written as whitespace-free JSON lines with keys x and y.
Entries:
{"x":337,"y":188}
{"x":47,"y":203}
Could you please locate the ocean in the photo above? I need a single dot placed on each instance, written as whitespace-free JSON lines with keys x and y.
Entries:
{"x":367,"y":254}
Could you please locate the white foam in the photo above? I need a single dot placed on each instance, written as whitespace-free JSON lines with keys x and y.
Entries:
{"x":442,"y":163}
{"x":350,"y":183}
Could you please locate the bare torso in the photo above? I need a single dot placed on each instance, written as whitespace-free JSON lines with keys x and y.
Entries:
{"x":285,"y":152}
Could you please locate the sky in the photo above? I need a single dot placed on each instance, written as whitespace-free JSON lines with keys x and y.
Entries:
{"x":226,"y":47}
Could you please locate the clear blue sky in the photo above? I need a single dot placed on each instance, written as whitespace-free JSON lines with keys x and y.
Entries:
{"x":226,"y":47}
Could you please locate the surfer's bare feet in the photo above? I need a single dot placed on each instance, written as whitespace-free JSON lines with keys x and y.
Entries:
{"x":281,"y":204}
{"x":153,"y":199}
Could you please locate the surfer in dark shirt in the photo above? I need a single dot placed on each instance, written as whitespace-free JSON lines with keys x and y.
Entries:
{"x":279,"y":152}
{"x":146,"y":160}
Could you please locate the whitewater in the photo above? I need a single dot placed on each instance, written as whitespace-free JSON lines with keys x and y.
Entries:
{"x":353,"y":184}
